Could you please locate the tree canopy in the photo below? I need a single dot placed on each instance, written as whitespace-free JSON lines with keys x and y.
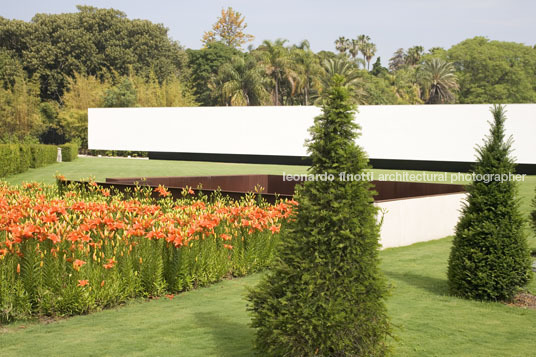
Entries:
{"x":494,"y":71}
{"x":229,"y":29}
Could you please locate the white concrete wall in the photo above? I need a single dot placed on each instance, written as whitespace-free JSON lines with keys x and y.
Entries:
{"x":403,"y":132}
{"x":419,"y":219}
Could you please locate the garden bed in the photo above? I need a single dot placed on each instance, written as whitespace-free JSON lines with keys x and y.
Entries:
{"x":412,"y":211}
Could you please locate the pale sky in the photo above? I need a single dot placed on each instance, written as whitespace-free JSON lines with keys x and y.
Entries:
{"x":391,"y":24}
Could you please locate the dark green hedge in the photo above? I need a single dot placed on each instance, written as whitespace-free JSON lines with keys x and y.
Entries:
{"x":16,"y":158}
{"x":69,"y":151}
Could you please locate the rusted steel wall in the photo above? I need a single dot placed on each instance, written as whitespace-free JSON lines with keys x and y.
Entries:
{"x":275,"y":185}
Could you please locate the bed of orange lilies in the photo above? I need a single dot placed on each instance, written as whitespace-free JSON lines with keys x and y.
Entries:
{"x":78,"y":249}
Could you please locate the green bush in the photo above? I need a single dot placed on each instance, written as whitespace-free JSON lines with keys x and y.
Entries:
{"x":490,"y":259}
{"x":324,"y":295}
{"x":43,"y":155}
{"x":10,"y":159}
{"x":533,"y":213}
{"x":25,"y":157}
{"x":17,"y":158}
{"x":69,"y":151}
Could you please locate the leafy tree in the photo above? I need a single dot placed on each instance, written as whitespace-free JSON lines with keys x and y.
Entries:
{"x":439,"y":80}
{"x":92,"y":41}
{"x":405,"y":86}
{"x":376,"y":90}
{"x":241,"y":82}
{"x":494,"y":71}
{"x":53,"y":132}
{"x":489,"y":259}
{"x":10,"y":69}
{"x":435,"y":52}
{"x":229,"y":29}
{"x":122,"y":95}
{"x":324,"y":295}
{"x":398,"y":60}
{"x":377,"y":69}
{"x":204,"y":65}
{"x":82,"y":92}
{"x":171,"y":93}
{"x":15,"y":36}
{"x":19,"y":116}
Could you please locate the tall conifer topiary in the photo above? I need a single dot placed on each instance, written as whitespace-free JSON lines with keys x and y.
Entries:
{"x":324,"y":295}
{"x":533,"y":213}
{"x":489,"y":259}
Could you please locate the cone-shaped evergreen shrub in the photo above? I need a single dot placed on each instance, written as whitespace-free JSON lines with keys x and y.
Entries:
{"x":533,"y":213}
{"x":324,"y":295}
{"x":489,"y":259}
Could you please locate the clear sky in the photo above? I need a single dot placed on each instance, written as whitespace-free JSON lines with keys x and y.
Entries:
{"x":390,"y":23}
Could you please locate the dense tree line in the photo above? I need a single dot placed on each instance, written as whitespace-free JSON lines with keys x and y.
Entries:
{"x":54,"y":67}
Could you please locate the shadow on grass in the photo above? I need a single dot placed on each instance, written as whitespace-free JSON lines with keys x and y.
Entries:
{"x":433,"y":285}
{"x":232,"y":338}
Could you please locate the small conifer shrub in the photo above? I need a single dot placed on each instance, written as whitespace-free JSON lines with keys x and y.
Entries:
{"x":533,"y":213}
{"x":324,"y":295}
{"x":490,"y":259}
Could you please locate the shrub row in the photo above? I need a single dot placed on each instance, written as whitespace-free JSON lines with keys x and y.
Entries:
{"x":17,"y":158}
{"x":69,"y":151}
{"x":14,"y":159}
{"x":42,"y":155}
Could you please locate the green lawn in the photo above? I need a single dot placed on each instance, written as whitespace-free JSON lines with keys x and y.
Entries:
{"x":213,"y":322}
{"x":100,"y":168}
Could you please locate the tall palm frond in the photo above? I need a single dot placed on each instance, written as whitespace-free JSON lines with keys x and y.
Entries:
{"x":278,"y":64}
{"x":240,"y":82}
{"x":347,"y":70}
{"x":439,"y":80}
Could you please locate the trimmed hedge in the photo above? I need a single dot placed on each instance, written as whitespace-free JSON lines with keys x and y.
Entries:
{"x":17,"y":158}
{"x":10,"y":162}
{"x":69,"y":151}
{"x":43,"y":155}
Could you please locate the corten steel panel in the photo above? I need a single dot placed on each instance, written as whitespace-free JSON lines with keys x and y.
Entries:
{"x":275,"y":185}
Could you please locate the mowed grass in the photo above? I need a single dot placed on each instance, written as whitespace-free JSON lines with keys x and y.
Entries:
{"x":213,"y":321}
{"x":101,"y":168}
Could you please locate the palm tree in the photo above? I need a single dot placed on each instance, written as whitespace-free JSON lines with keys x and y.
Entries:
{"x":368,"y":50}
{"x":275,"y":58}
{"x":362,"y":40}
{"x":414,"y":55}
{"x":353,"y":49}
{"x":439,"y":80}
{"x":240,"y":82}
{"x":346,"y":69}
{"x":341,"y":44}
{"x":307,"y":69}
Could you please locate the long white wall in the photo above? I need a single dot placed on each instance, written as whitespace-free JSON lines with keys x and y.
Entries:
{"x":403,"y":132}
{"x":419,"y":219}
